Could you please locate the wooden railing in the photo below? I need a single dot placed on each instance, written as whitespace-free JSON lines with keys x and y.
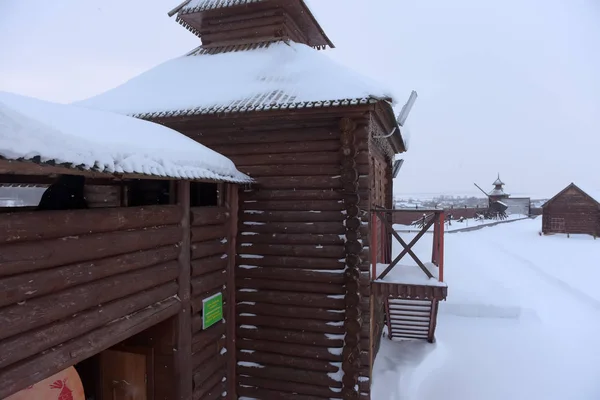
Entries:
{"x":382,"y":232}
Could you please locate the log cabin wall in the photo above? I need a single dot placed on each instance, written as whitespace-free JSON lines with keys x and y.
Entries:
{"x":573,"y":212}
{"x":73,"y":283}
{"x":292,"y":293}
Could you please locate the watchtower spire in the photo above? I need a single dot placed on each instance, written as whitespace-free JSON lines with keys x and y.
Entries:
{"x":235,"y":23}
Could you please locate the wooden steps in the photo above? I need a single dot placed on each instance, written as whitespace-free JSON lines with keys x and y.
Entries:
{"x":411,"y":319}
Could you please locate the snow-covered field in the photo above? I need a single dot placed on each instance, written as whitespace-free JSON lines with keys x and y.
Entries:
{"x":521,"y":321}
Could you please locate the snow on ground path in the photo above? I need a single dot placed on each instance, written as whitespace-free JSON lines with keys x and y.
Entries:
{"x":545,"y":350}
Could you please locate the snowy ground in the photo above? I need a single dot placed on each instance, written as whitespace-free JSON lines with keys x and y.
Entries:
{"x":520,"y":322}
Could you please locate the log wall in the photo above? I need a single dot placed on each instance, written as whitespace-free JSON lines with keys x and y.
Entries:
{"x":73,"y":283}
{"x":300,"y":226}
{"x":577,"y":211}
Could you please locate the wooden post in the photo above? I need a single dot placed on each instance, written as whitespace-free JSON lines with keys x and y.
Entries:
{"x":434,"y":248}
{"x":373,"y":249}
{"x":183,"y":355}
{"x":441,"y":247}
{"x":232,"y":200}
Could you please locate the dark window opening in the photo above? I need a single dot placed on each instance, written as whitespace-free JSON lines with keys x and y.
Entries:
{"x":205,"y":194}
{"x":89,"y":373}
{"x":149,"y":193}
{"x":66,"y":193}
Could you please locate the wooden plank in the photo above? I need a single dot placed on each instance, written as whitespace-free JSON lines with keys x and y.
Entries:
{"x":17,"y":258}
{"x":40,"y":311}
{"x":257,"y":393}
{"x":278,"y":148}
{"x":330,"y":302}
{"x":295,"y":337}
{"x":208,"y":282}
{"x":290,"y":390}
{"x":291,"y":286}
{"x":211,"y":232}
{"x":208,"y":249}
{"x":212,"y":382}
{"x":292,"y":274}
{"x":22,"y":287}
{"x":290,"y":216}
{"x":316,"y":228}
{"x":207,"y":265}
{"x":292,"y":262}
{"x":21,"y":375}
{"x":183,"y":356}
{"x":19,"y":347}
{"x":202,"y":216}
{"x":331,"y":251}
{"x":299,"y":182}
{"x":297,"y":195}
{"x":290,"y":375}
{"x":203,"y":373}
{"x":315,"y":206}
{"x":303,"y":325}
{"x":256,"y":171}
{"x":290,"y":311}
{"x":318,"y":157}
{"x":279,"y":360}
{"x":204,"y":338}
{"x":293,"y":239}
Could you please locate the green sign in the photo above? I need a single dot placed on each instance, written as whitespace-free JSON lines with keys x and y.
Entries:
{"x":212,"y":310}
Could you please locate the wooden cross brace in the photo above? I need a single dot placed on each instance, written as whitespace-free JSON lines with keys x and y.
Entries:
{"x":407,"y":247}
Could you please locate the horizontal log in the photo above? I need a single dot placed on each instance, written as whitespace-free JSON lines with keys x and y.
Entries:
{"x":213,"y":349}
{"x":292,"y":239}
{"x":290,"y":375}
{"x":211,"y":232}
{"x":286,"y":390}
{"x":20,"y":347}
{"x":22,"y":287}
{"x":318,"y":157}
{"x":292,"y":262}
{"x":303,"y":325}
{"x":40,"y":311}
{"x":285,"y":336}
{"x":290,"y":286}
{"x":296,"y":299}
{"x":289,"y":311}
{"x":207,"y":265}
{"x":290,"y":216}
{"x":279,"y":360}
{"x":262,"y":137}
{"x":277,"y":148}
{"x":247,"y":206}
{"x":208,"y":282}
{"x":42,"y":225}
{"x":255,"y":393}
{"x":316,"y":228}
{"x":18,"y":258}
{"x":213,"y":394}
{"x":291,"y":274}
{"x":297,"y":195}
{"x":299,"y":182}
{"x":202,"y":216}
{"x":331,"y":251}
{"x":292,"y":170}
{"x":19,"y":377}
{"x":202,"y":339}
{"x":202,"y":373}
{"x":213,"y":382}
{"x":208,"y":249}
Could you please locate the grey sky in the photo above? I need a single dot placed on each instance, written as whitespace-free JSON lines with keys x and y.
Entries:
{"x":510,"y":87}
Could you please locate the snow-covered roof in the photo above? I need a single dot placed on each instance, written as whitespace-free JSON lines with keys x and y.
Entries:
{"x":276,"y":76}
{"x":32,"y":129}
{"x":203,"y":5}
{"x":497,"y":192}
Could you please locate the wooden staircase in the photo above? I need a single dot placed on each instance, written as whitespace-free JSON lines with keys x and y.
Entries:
{"x":411,"y":319}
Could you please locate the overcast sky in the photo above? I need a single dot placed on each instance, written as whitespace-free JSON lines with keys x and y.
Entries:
{"x":510,"y":87}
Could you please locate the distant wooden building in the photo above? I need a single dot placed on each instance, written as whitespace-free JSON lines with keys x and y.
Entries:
{"x":116,"y":288}
{"x":319,"y":140}
{"x":572,"y":211}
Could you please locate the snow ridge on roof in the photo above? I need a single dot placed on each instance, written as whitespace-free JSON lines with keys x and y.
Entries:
{"x":32,"y":129}
{"x":203,"y":5}
{"x":276,"y":76}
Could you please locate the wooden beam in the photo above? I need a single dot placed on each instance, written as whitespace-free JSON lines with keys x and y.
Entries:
{"x":233,"y":203}
{"x":183,"y":356}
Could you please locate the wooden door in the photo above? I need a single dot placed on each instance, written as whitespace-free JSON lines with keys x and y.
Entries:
{"x":125,"y":374}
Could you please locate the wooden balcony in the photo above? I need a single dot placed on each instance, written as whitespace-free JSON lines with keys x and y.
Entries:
{"x":410,"y":293}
